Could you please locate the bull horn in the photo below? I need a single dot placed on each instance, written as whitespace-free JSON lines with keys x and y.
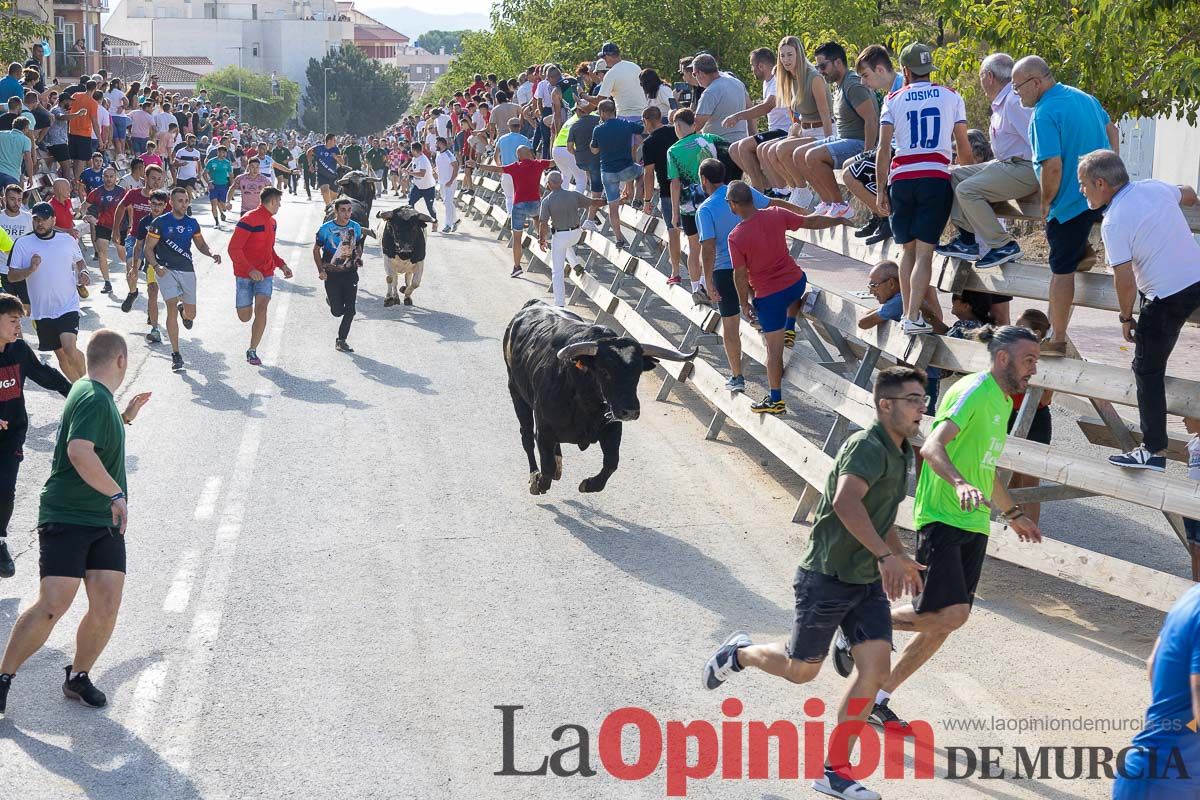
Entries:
{"x":577,"y":350}
{"x":667,"y":354}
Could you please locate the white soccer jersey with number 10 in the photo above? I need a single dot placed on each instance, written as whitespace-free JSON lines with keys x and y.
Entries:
{"x":923,"y":116}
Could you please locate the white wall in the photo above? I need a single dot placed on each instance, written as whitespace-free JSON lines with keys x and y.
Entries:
{"x":1177,"y":151}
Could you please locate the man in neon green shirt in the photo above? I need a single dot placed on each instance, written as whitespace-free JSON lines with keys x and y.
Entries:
{"x":683,"y":170}
{"x":955,"y":494}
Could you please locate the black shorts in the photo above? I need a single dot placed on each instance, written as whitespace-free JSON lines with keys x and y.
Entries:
{"x":768,"y":136}
{"x":50,"y":331}
{"x":920,"y":209}
{"x":729,"y":305}
{"x":80,"y":148}
{"x":104,"y":232}
{"x":1041,"y":428}
{"x":862,"y":169}
{"x":954,"y":561}
{"x":326,"y":179}
{"x":19,"y":288}
{"x":61,"y":153}
{"x":69,"y":551}
{"x":1068,"y":241}
{"x":824,"y":603}
{"x":688,"y":223}
{"x":186,"y":183}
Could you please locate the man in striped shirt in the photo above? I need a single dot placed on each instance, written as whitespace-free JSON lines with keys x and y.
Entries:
{"x":927,"y":120}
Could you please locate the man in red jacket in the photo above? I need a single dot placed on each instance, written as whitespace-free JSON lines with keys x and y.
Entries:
{"x":252,"y":251}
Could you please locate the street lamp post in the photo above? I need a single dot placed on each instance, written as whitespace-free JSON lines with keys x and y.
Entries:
{"x":326,"y":77}
{"x":239,"y":48}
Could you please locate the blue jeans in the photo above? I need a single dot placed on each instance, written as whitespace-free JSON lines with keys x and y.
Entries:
{"x":428,"y":195}
{"x":613,"y":180}
{"x":248,"y":289}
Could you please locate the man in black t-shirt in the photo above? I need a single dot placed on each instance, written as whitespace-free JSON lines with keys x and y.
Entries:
{"x":654,"y":154}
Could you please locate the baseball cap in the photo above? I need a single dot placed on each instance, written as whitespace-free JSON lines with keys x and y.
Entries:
{"x":43,"y":210}
{"x":609,"y":49}
{"x":918,"y":58}
{"x":600,"y":66}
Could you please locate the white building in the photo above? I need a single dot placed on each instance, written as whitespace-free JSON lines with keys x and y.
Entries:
{"x":266,"y":36}
{"x":421,"y":66}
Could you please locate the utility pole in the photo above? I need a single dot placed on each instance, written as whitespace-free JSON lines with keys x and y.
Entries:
{"x":326,"y":77}
{"x":239,"y":48}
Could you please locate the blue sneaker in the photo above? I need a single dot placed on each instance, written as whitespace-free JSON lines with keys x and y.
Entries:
{"x":1000,"y":255}
{"x":720,"y":665}
{"x":836,"y":785}
{"x":1139,"y":458}
{"x":959,"y":249}
{"x":736,"y":384}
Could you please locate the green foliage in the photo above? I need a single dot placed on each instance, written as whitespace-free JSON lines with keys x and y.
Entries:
{"x":364,"y":95}
{"x":260,"y":107}
{"x":17,"y":33}
{"x":434,"y":41}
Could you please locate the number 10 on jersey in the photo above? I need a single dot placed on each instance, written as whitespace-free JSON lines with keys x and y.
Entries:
{"x":924,"y":128}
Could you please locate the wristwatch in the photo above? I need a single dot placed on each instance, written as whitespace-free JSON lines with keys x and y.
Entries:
{"x":879,"y":559}
{"x":1124,"y":319}
{"x":116,"y":497}
{"x":1013,"y":513}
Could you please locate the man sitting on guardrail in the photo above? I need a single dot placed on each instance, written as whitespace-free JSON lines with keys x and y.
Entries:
{"x":1152,"y":253}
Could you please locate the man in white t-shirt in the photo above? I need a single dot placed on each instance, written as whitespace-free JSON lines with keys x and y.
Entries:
{"x":16,"y":222}
{"x":928,"y":122}
{"x":422,"y":183}
{"x":744,"y":152}
{"x":164,"y":119}
{"x":1152,"y":252}
{"x":622,"y":84}
{"x":51,"y":264}
{"x":447,"y":176}
{"x":186,"y":162}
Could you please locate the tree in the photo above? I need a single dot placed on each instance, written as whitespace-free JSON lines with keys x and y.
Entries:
{"x":261,"y":107}
{"x":17,"y":33}
{"x":434,"y":41}
{"x":364,"y":95}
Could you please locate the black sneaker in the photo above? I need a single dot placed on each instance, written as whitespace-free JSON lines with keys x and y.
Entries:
{"x":720,"y":664}
{"x":80,"y":688}
{"x":871,"y":226}
{"x":342,"y":346}
{"x":5,"y":685}
{"x":882,"y":715}
{"x":8,"y":567}
{"x":176,"y":362}
{"x":882,"y":233}
{"x":187,"y":323}
{"x":516,"y":273}
{"x":843,"y":661}
{"x":769,"y":406}
{"x":835,"y":784}
{"x":107,"y":288}
{"x":127,"y":303}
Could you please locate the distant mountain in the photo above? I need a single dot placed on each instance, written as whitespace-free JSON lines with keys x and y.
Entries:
{"x":412,"y":22}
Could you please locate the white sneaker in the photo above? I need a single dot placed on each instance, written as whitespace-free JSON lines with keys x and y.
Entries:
{"x":821,"y":210}
{"x":912,"y":328}
{"x":835,"y":785}
{"x":802,"y":197}
{"x":591,"y":225}
{"x":840,"y":211}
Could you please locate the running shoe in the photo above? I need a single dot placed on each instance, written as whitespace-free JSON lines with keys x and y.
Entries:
{"x":176,"y":362}
{"x":516,"y":272}
{"x":999,"y":255}
{"x":882,"y":716}
{"x":454,"y":227}
{"x":1138,"y":458}
{"x":881,"y":234}
{"x":591,"y":225}
{"x":821,"y":210}
{"x":674,"y":280}
{"x":154,"y":336}
{"x":957,"y":248}
{"x":843,"y":661}
{"x":866,"y":230}
{"x":835,"y":784}
{"x":252,"y":359}
{"x":80,"y":688}
{"x":916,"y":328}
{"x":769,"y":406}
{"x":445,"y":229}
{"x":700,"y":297}
{"x":736,"y":384}
{"x":5,"y":685}
{"x":8,"y":567}
{"x":802,"y":197}
{"x":342,"y":346}
{"x":127,"y":303}
{"x":720,"y":665}
{"x":840,"y":211}
{"x":187,"y":323}
{"x":789,"y":338}
{"x":82,"y":290}
{"x":107,"y":288}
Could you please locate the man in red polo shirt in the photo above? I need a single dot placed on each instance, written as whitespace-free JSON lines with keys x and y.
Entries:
{"x":526,"y":173}
{"x":252,"y":251}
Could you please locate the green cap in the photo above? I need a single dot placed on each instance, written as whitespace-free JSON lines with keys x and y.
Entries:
{"x":918,"y":58}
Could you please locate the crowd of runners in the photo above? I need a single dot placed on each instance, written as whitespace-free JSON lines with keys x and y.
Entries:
{"x":121,"y":167}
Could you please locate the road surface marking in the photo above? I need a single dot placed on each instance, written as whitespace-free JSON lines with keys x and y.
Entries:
{"x":208,"y":497}
{"x":181,"y":587}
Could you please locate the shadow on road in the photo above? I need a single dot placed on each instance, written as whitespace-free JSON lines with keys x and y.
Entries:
{"x":310,"y":391}
{"x":449,"y":327}
{"x":391,"y":375}
{"x":213,"y":392}
{"x":672,"y":564}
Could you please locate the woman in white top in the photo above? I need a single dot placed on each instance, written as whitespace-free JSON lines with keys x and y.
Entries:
{"x":799,"y":87}
{"x":657,"y":92}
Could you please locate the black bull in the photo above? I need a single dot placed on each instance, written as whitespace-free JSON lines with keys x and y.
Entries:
{"x":359,"y":188}
{"x":575,"y":383}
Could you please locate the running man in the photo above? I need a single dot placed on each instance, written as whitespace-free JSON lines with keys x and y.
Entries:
{"x":186,"y":161}
{"x":338,"y":254}
{"x":250,"y":184}
{"x":219,"y":170}
{"x":81,"y":523}
{"x":169,"y":252}
{"x":956,"y":492}
{"x":252,"y":253}
{"x":51,"y":265}
{"x":102,"y":203}
{"x":159,"y":201}
{"x":327,"y":158}
{"x":17,"y":362}
{"x":853,"y":564}
{"x":768,"y":279}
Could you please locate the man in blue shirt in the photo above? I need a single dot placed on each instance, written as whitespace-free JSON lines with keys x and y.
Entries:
{"x":328,"y":158}
{"x":169,"y":253}
{"x":506,"y":153}
{"x":1066,"y":125}
{"x":10,"y":84}
{"x":337,"y":253}
{"x":613,"y":141}
{"x":1164,"y":762}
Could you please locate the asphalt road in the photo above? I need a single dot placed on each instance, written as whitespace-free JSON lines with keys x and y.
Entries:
{"x":337,"y":573}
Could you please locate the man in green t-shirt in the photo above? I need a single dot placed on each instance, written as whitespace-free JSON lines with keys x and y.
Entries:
{"x":853,"y":563}
{"x":281,"y":157}
{"x":353,"y":153}
{"x":81,"y":522}
{"x":955,"y":494}
{"x":377,"y":159}
{"x":219,"y":169}
{"x":683,"y":170}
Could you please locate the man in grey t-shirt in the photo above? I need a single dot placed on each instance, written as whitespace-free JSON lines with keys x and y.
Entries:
{"x":559,"y":225}
{"x":723,"y":95}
